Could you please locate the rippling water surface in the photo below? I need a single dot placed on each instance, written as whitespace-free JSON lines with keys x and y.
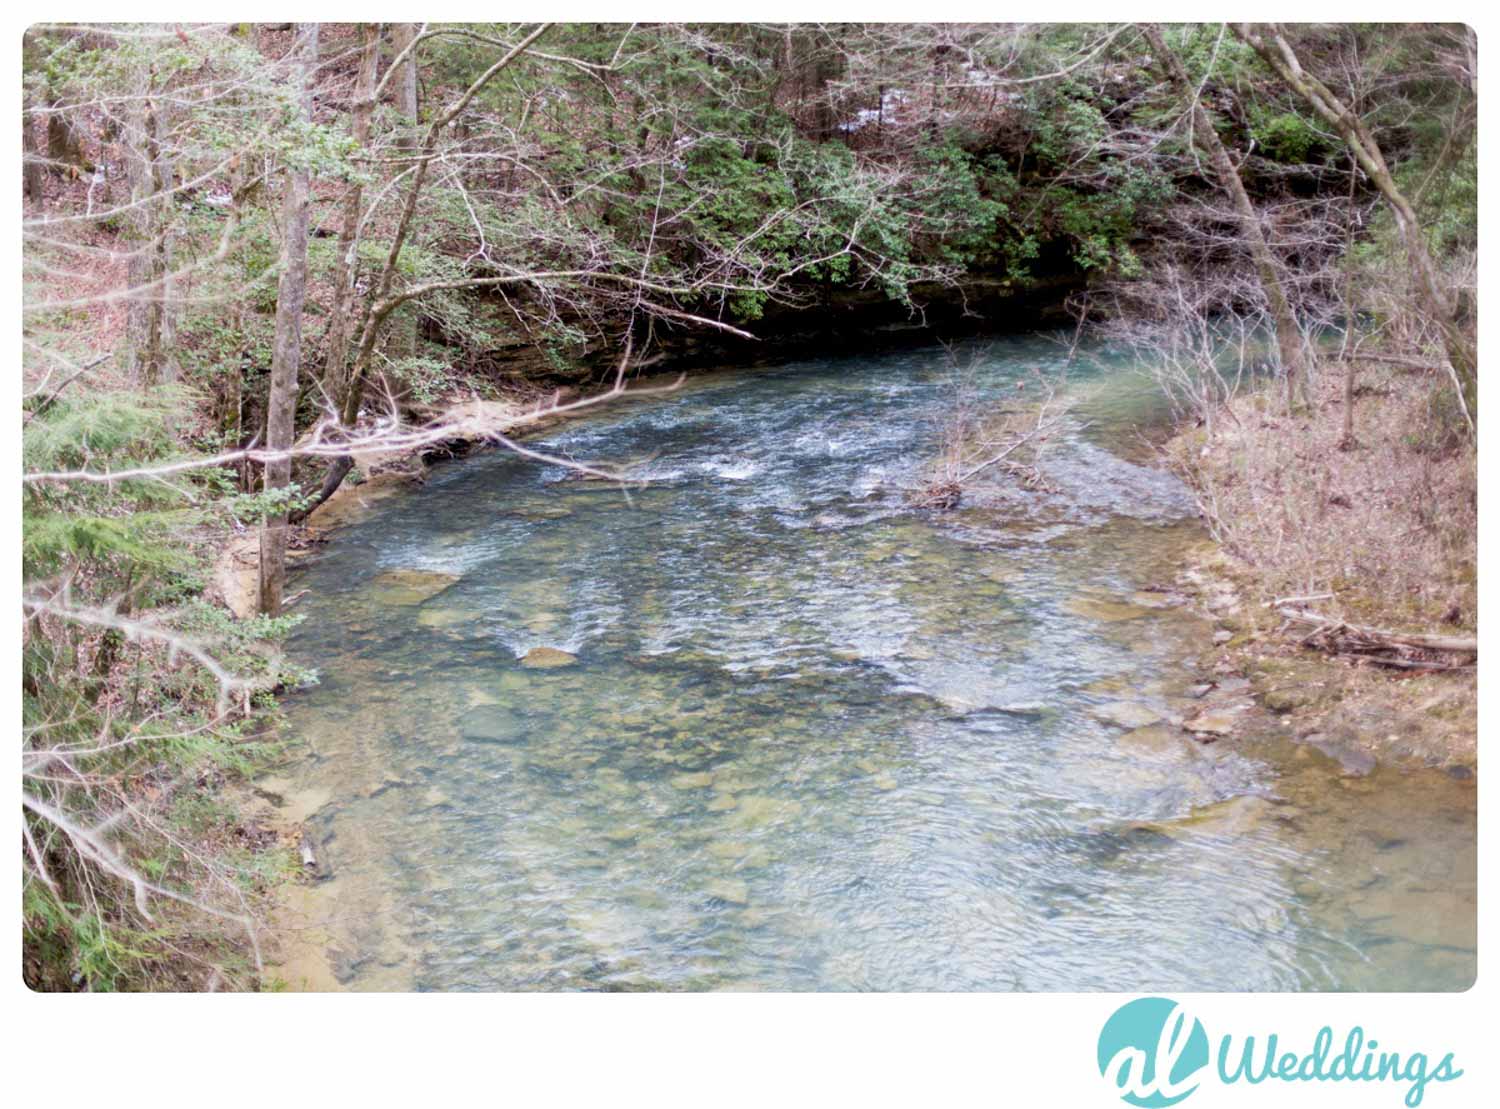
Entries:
{"x":815,"y":740}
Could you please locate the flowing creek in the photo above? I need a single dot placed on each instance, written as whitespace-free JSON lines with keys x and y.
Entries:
{"x":815,"y":740}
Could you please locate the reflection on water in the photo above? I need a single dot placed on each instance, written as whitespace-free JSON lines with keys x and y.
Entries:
{"x":815,"y":741}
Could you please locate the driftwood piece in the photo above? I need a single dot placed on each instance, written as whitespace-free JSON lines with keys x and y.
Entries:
{"x":309,"y":857}
{"x":1401,"y":650}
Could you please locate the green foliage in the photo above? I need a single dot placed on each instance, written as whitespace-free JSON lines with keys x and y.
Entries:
{"x":1286,"y":136}
{"x":122,"y":528}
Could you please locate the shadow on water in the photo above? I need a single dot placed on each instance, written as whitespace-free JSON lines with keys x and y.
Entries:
{"x":813,"y":740}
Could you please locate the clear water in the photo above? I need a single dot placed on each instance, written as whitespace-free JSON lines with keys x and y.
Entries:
{"x":817,"y":741}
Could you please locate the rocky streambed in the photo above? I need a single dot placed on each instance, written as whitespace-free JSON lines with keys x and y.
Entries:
{"x":758,"y":724}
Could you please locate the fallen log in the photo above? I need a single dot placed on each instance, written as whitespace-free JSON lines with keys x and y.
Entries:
{"x":1401,"y":650}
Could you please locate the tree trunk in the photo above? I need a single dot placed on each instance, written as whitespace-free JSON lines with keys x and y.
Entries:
{"x":406,"y":82}
{"x":286,"y":355}
{"x":1442,"y":307}
{"x":346,"y":266}
{"x":402,"y":343}
{"x":164,"y":348}
{"x":1347,"y":441}
{"x":65,"y":145}
{"x":1288,"y":334}
{"x":142,"y":178}
{"x":32,"y":165}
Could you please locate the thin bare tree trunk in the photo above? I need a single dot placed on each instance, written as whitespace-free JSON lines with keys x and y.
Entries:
{"x":286,"y":356}
{"x":346,"y":267}
{"x":156,"y":267}
{"x":142,"y":179}
{"x":165,"y":347}
{"x":1288,"y":334}
{"x":403,"y":339}
{"x":1347,"y":440}
{"x":1441,"y":305}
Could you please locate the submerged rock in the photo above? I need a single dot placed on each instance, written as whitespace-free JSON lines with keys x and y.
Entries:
{"x":441,"y":619}
{"x":491,"y":724}
{"x":1106,"y":612}
{"x":547,"y":658}
{"x":1022,"y":708}
{"x":1154,"y":738}
{"x":730,"y":891}
{"x":1127,"y":714}
{"x":1236,"y":816}
{"x":758,"y":810}
{"x":1285,"y":700}
{"x":1150,"y":598}
{"x":410,"y":587}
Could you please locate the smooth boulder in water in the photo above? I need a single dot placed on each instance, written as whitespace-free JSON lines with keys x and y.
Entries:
{"x":492,"y":724}
{"x":410,"y":587}
{"x":1127,"y":714}
{"x":547,"y":658}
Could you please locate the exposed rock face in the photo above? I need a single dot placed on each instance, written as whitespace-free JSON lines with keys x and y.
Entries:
{"x":547,"y":658}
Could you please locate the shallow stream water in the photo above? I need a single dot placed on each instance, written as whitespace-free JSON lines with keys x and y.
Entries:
{"x":816,"y":740}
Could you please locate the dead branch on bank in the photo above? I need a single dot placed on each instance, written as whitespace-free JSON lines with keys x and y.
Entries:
{"x":1400,"y":650}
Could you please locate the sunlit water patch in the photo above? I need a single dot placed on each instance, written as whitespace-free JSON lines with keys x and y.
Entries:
{"x":816,"y":740}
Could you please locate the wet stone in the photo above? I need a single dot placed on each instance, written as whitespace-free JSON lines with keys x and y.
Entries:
{"x":1106,"y":612}
{"x":410,"y":587}
{"x":442,"y":619}
{"x":492,"y":724}
{"x":1155,"y":738}
{"x":547,"y":658}
{"x":1127,"y":714}
{"x":730,"y":891}
{"x":1022,"y":708}
{"x":1213,"y":722}
{"x":1152,"y":599}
